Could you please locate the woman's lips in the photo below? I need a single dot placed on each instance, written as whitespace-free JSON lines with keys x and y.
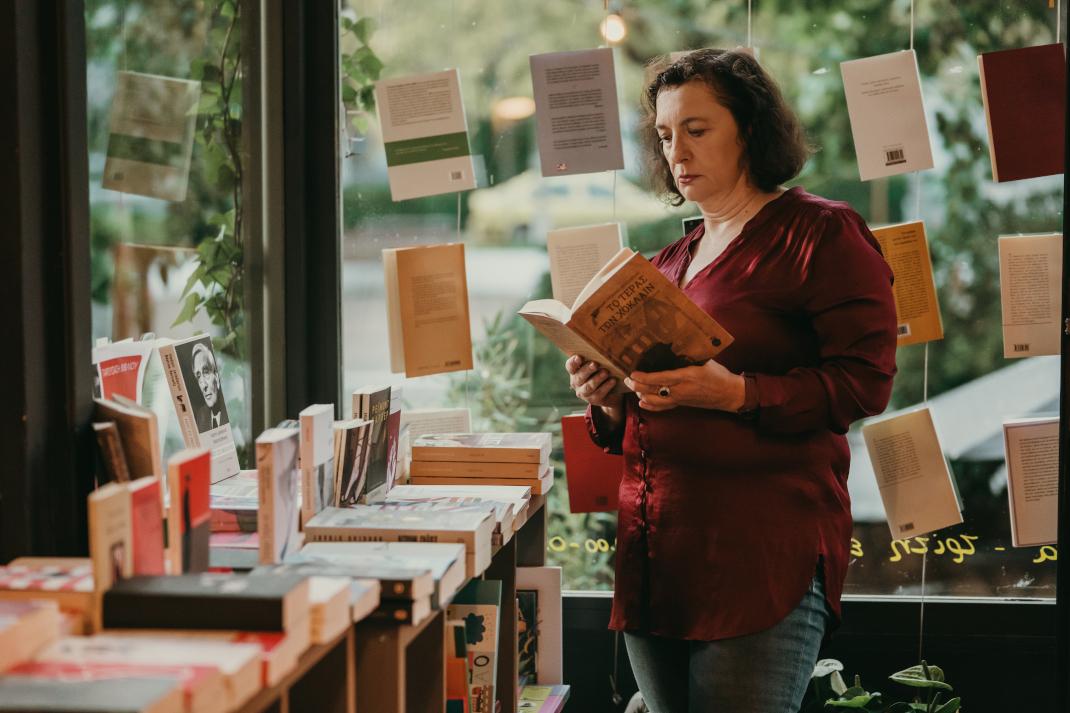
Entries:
{"x":685,"y":179}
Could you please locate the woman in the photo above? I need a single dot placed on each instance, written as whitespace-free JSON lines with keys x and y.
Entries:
{"x":735,"y":521}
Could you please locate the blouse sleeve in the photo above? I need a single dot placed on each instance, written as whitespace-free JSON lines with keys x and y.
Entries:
{"x":608,"y":438}
{"x":847,"y":294}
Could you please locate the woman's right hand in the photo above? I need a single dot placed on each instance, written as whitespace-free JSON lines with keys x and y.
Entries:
{"x":593,"y":383}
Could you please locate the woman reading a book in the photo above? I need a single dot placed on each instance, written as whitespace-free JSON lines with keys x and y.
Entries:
{"x":735,"y":521}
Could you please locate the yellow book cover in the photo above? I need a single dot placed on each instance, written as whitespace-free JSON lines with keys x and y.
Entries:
{"x":917,"y":310}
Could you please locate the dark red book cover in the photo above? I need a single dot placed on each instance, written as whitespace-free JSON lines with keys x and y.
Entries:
{"x":1024,"y":94}
{"x":593,"y":475}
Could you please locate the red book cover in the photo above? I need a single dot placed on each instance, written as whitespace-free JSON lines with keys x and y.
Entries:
{"x":593,"y":475}
{"x":146,"y":523}
{"x":190,"y":516}
{"x":1024,"y":94}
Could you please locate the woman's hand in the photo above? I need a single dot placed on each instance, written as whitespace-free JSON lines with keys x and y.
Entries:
{"x":709,"y":386}
{"x":592,"y":383}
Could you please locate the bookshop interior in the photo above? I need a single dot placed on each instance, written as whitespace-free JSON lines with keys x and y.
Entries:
{"x":347,"y":331}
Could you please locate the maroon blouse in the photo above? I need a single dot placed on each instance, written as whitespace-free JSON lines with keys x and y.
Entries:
{"x":724,"y":517}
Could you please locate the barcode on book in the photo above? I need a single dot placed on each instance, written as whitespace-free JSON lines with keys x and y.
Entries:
{"x":903,"y":330}
{"x":894,"y":156}
{"x":1021,"y":347}
{"x":456,"y":175}
{"x":906,"y":527}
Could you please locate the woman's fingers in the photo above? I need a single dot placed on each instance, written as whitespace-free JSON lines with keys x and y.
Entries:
{"x":604,"y":389}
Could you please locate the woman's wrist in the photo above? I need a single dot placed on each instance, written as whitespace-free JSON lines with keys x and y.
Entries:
{"x":613,"y":415}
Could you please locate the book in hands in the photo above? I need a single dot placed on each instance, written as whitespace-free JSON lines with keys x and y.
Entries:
{"x":629,"y":318}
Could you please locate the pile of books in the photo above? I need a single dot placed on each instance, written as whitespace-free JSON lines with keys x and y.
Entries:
{"x":483,"y":459}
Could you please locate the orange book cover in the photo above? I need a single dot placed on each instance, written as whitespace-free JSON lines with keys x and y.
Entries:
{"x":917,"y":309}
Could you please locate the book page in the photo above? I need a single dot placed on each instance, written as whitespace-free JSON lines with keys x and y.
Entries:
{"x":433,"y":307}
{"x":393,"y":311}
{"x":151,"y":135}
{"x":917,"y":310}
{"x":887,"y":114}
{"x":567,"y":340}
{"x":1030,"y":287}
{"x":577,"y":254}
{"x":576,"y":115}
{"x":425,"y":135}
{"x":602,"y":276}
{"x":1032,"y":448}
{"x":912,"y":474}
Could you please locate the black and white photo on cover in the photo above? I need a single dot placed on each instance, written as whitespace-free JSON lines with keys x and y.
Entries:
{"x":200,"y":372}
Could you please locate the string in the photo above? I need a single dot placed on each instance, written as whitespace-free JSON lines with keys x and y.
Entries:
{"x":614,"y":196}
{"x":750,"y":15}
{"x":921,"y":616}
{"x":1058,"y":21}
{"x":911,"y":24}
{"x":122,"y":30}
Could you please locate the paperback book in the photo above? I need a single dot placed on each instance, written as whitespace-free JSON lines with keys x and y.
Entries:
{"x":317,"y":459}
{"x":189,"y":518}
{"x":352,"y":458}
{"x":382,"y":406}
{"x":917,"y":310}
{"x":593,"y":475}
{"x":1030,"y":286}
{"x":1032,"y":455}
{"x":278,"y":519}
{"x":479,"y":605}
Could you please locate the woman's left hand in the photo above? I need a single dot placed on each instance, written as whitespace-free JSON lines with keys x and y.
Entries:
{"x":709,"y":386}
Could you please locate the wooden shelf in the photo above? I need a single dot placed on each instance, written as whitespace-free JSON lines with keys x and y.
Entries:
{"x":323,"y":681}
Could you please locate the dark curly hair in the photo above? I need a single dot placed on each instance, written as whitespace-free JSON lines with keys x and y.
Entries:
{"x":774,"y":143}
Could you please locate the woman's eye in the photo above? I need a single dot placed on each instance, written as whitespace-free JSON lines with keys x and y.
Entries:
{"x":663,"y":139}
{"x":696,"y":132}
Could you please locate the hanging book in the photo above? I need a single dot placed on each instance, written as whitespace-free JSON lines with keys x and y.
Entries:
{"x":577,"y":121}
{"x":1024,"y":96}
{"x":916,"y":485}
{"x":916,"y":307}
{"x":887,"y":113}
{"x":427,"y":309}
{"x":577,"y":254}
{"x":1032,"y":452}
{"x":193,"y":375}
{"x":425,"y":135}
{"x":151,"y":135}
{"x":629,"y":318}
{"x":1030,"y":287}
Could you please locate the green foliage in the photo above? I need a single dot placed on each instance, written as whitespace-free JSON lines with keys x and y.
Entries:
{"x":360,"y":69}
{"x":827,"y":693}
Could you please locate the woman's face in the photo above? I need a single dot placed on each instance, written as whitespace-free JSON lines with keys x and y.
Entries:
{"x":700,"y":141}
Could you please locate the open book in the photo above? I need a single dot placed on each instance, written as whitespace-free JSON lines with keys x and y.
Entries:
{"x":629,"y":318}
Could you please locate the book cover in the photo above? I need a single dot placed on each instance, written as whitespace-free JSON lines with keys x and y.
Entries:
{"x":545,"y":583}
{"x":474,"y":469}
{"x":373,"y":404}
{"x":629,"y":318}
{"x":399,"y":575}
{"x":1030,"y":288}
{"x":139,"y":435}
{"x":110,"y":546}
{"x":208,"y":601}
{"x":915,"y":482}
{"x":104,"y":689}
{"x":543,"y":699}
{"x":25,"y":628}
{"x":146,"y":527}
{"x":427,"y":307}
{"x":887,"y":113}
{"x":1023,"y":91}
{"x":456,"y":668}
{"x":577,"y":121}
{"x":235,"y":502}
{"x":150,"y":138}
{"x":68,"y":581}
{"x":425,"y":135}
{"x":577,"y":254}
{"x":121,"y":368}
{"x":278,"y":519}
{"x":1032,"y":454}
{"x":189,"y":519}
{"x":593,"y":475}
{"x":353,"y":449}
{"x":539,"y":486}
{"x":193,"y":376}
{"x":110,"y":449}
{"x":917,"y":309}
{"x":483,"y":447}
{"x":479,"y":606}
{"x":317,"y":459}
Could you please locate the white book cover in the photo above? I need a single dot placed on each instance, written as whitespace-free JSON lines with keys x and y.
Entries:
{"x":1032,"y":453}
{"x":317,"y":459}
{"x":546,"y":583}
{"x":887,"y":112}
{"x":121,"y":368}
{"x":193,"y":376}
{"x":150,"y":143}
{"x":577,"y":120}
{"x":915,"y":482}
{"x":577,"y":254}
{"x":278,"y":517}
{"x":425,"y":135}
{"x":1030,"y":288}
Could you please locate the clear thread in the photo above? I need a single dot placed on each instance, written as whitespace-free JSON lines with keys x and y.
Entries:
{"x":925,"y":377}
{"x":911,"y":24}
{"x":1058,"y":20}
{"x":750,"y":18}
{"x":921,"y":613}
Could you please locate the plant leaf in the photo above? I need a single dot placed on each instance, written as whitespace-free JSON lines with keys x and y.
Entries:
{"x":363,"y":29}
{"x":826,"y":666}
{"x":950,"y":707}
{"x":189,"y":309}
{"x":853,"y":702}
{"x":915,"y":677}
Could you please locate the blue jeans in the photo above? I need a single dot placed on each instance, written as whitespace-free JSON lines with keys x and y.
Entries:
{"x":764,"y":672}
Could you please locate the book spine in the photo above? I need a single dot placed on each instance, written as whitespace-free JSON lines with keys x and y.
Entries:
{"x":265,"y":518}
{"x":477,"y":455}
{"x":180,"y":397}
{"x":468,"y":468}
{"x":345,"y":534}
{"x":141,"y":610}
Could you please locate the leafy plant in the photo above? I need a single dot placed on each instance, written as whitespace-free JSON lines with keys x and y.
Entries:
{"x":827,"y":691}
{"x":360,"y":69}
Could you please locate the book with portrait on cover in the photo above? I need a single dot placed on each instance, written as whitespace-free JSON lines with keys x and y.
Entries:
{"x":629,"y":318}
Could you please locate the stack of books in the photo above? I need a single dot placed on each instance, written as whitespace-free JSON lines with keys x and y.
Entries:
{"x":519,"y":459}
{"x":509,"y":503}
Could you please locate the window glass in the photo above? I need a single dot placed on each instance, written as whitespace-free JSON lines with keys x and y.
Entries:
{"x":164,"y":104}
{"x":518,"y":381}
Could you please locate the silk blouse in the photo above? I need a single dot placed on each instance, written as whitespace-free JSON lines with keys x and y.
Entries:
{"x":724,"y":518}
